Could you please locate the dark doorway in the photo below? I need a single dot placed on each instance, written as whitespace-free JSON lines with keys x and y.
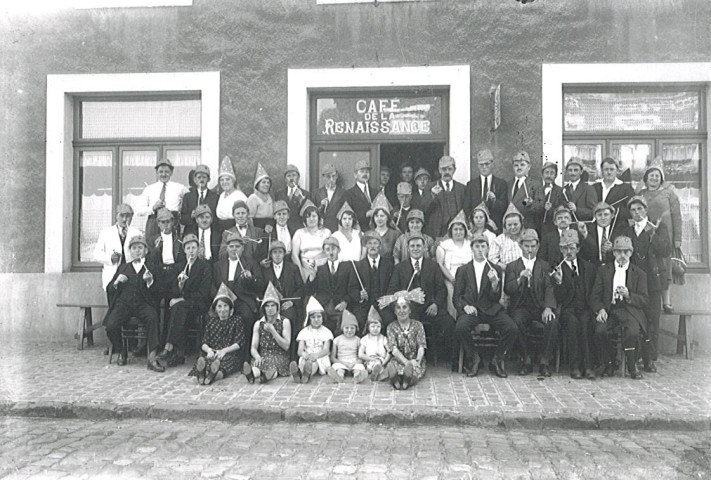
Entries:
{"x":419,"y":155}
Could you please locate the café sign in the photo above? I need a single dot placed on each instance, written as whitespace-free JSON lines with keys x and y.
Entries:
{"x":379,"y":117}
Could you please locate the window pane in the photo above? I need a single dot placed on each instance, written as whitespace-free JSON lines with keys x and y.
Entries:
{"x":681,"y":168}
{"x":141,"y":119}
{"x":635,"y":156}
{"x":343,"y":162}
{"x":95,"y":199}
{"x":590,"y":154}
{"x":631,"y":111}
{"x":137,"y":172}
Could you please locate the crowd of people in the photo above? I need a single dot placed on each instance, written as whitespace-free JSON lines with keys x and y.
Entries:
{"x":364,"y":282}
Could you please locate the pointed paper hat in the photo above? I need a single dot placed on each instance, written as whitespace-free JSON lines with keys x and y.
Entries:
{"x":459,"y":218}
{"x":512,"y":210}
{"x":489,"y":221}
{"x":271,"y":294}
{"x":308,"y":203}
{"x":226,"y":169}
{"x":380,"y":202}
{"x":225,"y":292}
{"x":348,"y":319}
{"x":373,"y":317}
{"x":313,"y":306}
{"x":656,"y":164}
{"x":345,"y":208}
{"x":260,"y":175}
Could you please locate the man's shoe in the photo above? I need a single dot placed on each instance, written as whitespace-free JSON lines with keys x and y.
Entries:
{"x":668,"y":308}
{"x":650,"y":367}
{"x":474,"y":370}
{"x":121,"y":360}
{"x":590,"y":374}
{"x":544,"y":371}
{"x":140,"y":350}
{"x":526,"y":368}
{"x":609,"y":370}
{"x":497,"y":367}
{"x":164,"y":354}
{"x":155,"y":366}
{"x":247,"y":372}
{"x":575,"y":374}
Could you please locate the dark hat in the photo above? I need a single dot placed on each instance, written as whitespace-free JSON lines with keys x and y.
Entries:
{"x":201,"y":210}
{"x":202,"y":169}
{"x":240,"y":204}
{"x":163,"y":161}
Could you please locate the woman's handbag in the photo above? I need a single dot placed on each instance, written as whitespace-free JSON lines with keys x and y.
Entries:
{"x":678,"y":266}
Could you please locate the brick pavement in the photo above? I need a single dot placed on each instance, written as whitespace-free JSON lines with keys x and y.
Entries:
{"x":137,"y":448}
{"x":54,"y":379}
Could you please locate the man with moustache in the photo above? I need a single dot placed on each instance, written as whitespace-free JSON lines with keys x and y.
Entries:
{"x":488,"y":189}
{"x":447,"y":199}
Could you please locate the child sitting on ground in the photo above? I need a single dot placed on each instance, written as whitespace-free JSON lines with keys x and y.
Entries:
{"x":344,"y":356}
{"x":373,"y":348}
{"x":314,"y":345}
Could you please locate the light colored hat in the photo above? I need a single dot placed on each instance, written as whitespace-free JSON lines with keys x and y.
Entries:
{"x":292,"y":168}
{"x":190,"y":237}
{"x":332,"y":241}
{"x":313,"y":306}
{"x":415,"y":236}
{"x":137,"y":239}
{"x":459,"y":218}
{"x":361,"y":164}
{"x":164,"y":214}
{"x":637,"y":199}
{"x":344,"y":208}
{"x":240,"y":204}
{"x":512,"y":210}
{"x":603,"y":206}
{"x":416,"y":214}
{"x":271,"y":294}
{"x":224,"y":292}
{"x":201,"y":210}
{"x":483,"y":208}
{"x":420,"y":172}
{"x":575,"y":161}
{"x":277,"y":244}
{"x":373,"y":316}
{"x":404,"y":188}
{"x":203,"y":169}
{"x":372,"y":234}
{"x":231,"y":236}
{"x":549,"y":165}
{"x":484,"y":154}
{"x":658,"y":165}
{"x":163,"y":161}
{"x":562,"y":209}
{"x":349,"y":320}
{"x":380,"y":202}
{"x":280,"y":205}
{"x":308,"y":203}
{"x":328,"y":168}
{"x":260,"y":175}
{"x":623,"y":243}
{"x":123,"y":208}
{"x":522,"y":155}
{"x":529,"y":234}
{"x":569,"y":237}
{"x":479,"y":238}
{"x":447,"y":161}
{"x":226,"y":169}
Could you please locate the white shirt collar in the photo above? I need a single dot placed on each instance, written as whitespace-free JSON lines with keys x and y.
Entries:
{"x":618,"y":267}
{"x":376,"y":259}
{"x":528,"y":263}
{"x":574,"y":184}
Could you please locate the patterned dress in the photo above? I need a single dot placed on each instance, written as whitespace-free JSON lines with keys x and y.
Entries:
{"x":273,"y":355}
{"x":407,"y":341}
{"x":221,"y":334}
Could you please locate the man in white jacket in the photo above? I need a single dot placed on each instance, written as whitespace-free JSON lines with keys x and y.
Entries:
{"x":112,"y":247}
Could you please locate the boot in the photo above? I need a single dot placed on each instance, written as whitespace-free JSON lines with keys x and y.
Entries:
{"x":635,"y":374}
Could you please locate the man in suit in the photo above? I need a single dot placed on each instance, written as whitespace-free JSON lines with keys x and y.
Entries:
{"x":551,"y":197}
{"x":359,"y":196}
{"x":651,"y":245}
{"x":386,"y":186}
{"x":524,"y":193}
{"x":488,"y":189}
{"x":209,"y":237}
{"x":532,"y":300}
{"x":618,"y":299}
{"x":201,"y":195}
{"x":163,"y":193}
{"x":580,"y":197}
{"x":477,"y":291}
{"x":447,"y":199}
{"x":330,"y":284}
{"x":293,"y":195}
{"x":614,"y":191}
{"x":243,"y":276}
{"x":573,"y":281}
{"x":550,"y":250}
{"x":191,"y":298}
{"x":329,"y":198}
{"x":421,"y":198}
{"x":112,"y":248}
{"x":368,"y":280}
{"x":257,"y":243}
{"x":132,"y":293}
{"x":281,"y":230}
{"x":596,"y":239}
{"x":425,"y":273}
{"x":404,"y":198}
{"x":286,"y":277}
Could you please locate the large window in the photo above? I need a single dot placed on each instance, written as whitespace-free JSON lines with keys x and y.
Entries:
{"x":636,"y":124}
{"x":116,"y":143}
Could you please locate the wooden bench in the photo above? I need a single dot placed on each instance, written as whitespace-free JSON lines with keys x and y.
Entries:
{"x":85,"y":326}
{"x":684,"y":336}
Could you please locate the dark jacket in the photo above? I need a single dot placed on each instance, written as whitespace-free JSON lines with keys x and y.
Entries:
{"x":496,"y":207}
{"x":197,"y":286}
{"x":651,"y":249}
{"x":565,"y":292}
{"x":360,"y":204}
{"x":584,"y":198}
{"x":617,"y":195}
{"x":375,"y":289}
{"x":295,"y":204}
{"x":150,"y":296}
{"x":329,"y":213}
{"x":290,"y":284}
{"x":545,"y":218}
{"x":437,"y":220}
{"x":246,"y":289}
{"x":431,"y":281}
{"x":328,"y":288}
{"x":540,"y":284}
{"x":255,"y":251}
{"x":485,"y":299}
{"x":531,"y":207}
{"x":215,"y":240}
{"x":589,"y":246}
{"x":190,"y":202}
{"x":636,"y":283}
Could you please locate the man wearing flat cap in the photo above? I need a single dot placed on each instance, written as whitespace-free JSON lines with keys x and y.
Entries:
{"x":596,"y":238}
{"x":200,"y":195}
{"x":329,"y":198}
{"x":618,"y":300}
{"x":293,"y":195}
{"x":404,"y":200}
{"x":359,"y":196}
{"x":162,"y":194}
{"x":447,"y":199}
{"x":421,"y":197}
{"x":523,"y":192}
{"x":550,"y":195}
{"x":580,"y":198}
{"x":257,"y":242}
{"x":612,"y":190}
{"x":488,"y":189}
{"x":111,"y":248}
{"x":330,"y":285}
{"x":209,"y":237}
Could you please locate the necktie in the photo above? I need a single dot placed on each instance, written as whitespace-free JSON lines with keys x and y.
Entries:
{"x":162,"y":193}
{"x":374,"y":266}
{"x":187,"y":269}
{"x":201,"y":245}
{"x":515,"y":190}
{"x":333,"y":268}
{"x":417,"y":266}
{"x":604,"y":239}
{"x":367,"y":193}
{"x":569,"y":189}
{"x":202,"y":198}
{"x":486,"y":188}
{"x":123,"y":234}
{"x":575,"y":269}
{"x":447,"y":186}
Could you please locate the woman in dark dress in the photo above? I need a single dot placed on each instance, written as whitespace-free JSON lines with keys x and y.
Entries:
{"x":223,"y":341}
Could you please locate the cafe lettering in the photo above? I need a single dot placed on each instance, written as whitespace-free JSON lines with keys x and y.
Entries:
{"x":379,"y":117}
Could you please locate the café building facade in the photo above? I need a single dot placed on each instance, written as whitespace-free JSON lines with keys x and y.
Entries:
{"x":93,"y":96}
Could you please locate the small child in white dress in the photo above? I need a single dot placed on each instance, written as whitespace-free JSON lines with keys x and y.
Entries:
{"x":374,"y":350}
{"x":344,"y":356}
{"x":314,"y":345}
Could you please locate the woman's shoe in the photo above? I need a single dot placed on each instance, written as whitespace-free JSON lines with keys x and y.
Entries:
{"x":668,"y":308}
{"x":375,"y":374}
{"x":407,"y":376}
{"x":295,"y":372}
{"x":200,"y":366}
{"x":267,"y":375}
{"x":214,"y":368}
{"x":308,"y":371}
{"x":248,"y":372}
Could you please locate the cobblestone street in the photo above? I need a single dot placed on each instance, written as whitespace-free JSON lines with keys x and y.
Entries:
{"x":53,"y":449}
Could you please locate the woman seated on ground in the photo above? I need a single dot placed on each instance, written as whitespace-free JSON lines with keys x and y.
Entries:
{"x":349,"y":238}
{"x":307,"y":243}
{"x":453,"y":252}
{"x":271,"y":338}
{"x":222,"y":341}
{"x":415,"y":222}
{"x":406,"y":338}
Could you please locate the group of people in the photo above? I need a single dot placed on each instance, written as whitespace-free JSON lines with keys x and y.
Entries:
{"x":290,"y":281}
